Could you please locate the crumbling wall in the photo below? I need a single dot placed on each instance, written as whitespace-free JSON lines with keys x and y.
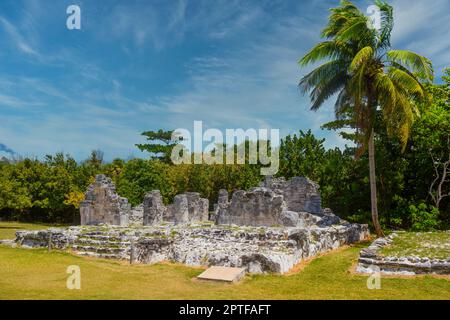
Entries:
{"x":277,"y":202}
{"x":103,"y":205}
{"x":198,"y":207}
{"x":259,"y":250}
{"x":257,"y":207}
{"x":154,"y":208}
{"x":186,"y":208}
{"x":299,"y":193}
{"x":137,"y":215}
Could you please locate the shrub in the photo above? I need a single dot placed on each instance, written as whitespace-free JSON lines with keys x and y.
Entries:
{"x":424,"y":217}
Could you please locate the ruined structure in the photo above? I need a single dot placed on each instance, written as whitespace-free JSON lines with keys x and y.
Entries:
{"x":276,"y":202}
{"x":154,"y":209}
{"x":257,"y":207}
{"x":371,"y":260}
{"x":300,"y":194}
{"x":269,"y":228}
{"x":137,"y":215}
{"x":257,"y":249}
{"x":103,"y":205}
{"x":186,"y":208}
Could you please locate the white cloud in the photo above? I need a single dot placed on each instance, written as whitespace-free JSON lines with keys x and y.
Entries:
{"x":422,"y":26}
{"x":17,"y":38}
{"x":253,"y":86}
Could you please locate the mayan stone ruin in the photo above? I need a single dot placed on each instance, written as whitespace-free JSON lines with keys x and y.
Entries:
{"x":103,"y":205}
{"x":276,"y":202}
{"x":269,"y":228}
{"x":371,"y":260}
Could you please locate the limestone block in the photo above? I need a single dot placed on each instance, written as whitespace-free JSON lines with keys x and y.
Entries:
{"x":137,"y":215}
{"x":103,"y":205}
{"x":187,"y":208}
{"x":154,"y":208}
{"x":300,"y":193}
{"x":257,"y":207}
{"x":180,"y":209}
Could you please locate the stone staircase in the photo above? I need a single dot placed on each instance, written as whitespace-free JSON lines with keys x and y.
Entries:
{"x":97,"y":244}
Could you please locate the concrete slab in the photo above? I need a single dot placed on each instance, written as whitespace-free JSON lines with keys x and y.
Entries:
{"x":226,"y":274}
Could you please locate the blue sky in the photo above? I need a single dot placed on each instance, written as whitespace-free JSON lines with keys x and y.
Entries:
{"x":145,"y":65}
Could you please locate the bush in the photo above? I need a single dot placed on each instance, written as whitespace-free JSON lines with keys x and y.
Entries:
{"x":424,"y":217}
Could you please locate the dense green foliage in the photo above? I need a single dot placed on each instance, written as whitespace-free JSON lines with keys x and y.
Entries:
{"x":413,"y":188}
{"x":51,"y":190}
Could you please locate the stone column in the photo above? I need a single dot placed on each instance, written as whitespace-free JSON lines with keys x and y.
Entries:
{"x":154,"y":208}
{"x":180,"y":209}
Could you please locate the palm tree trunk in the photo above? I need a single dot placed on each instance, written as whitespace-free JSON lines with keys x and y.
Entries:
{"x":373,"y":186}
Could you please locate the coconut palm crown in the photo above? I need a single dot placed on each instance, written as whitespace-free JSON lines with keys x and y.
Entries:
{"x":365,"y":75}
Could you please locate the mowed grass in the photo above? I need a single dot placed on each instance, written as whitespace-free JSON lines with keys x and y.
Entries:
{"x":38,"y":274}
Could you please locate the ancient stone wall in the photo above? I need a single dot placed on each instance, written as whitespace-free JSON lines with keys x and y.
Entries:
{"x":257,"y":207}
{"x":259,"y":250}
{"x":371,"y":260}
{"x":154,"y":208}
{"x":293,"y":203}
{"x":137,"y":215}
{"x":103,"y":205}
{"x":299,"y":193}
{"x":277,"y":202}
{"x":186,"y":208}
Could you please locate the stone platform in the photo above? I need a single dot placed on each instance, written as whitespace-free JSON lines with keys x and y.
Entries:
{"x":225,"y":274}
{"x":257,"y":249}
{"x":371,"y":260}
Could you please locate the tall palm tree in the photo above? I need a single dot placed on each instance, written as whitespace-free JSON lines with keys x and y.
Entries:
{"x":366,"y":75}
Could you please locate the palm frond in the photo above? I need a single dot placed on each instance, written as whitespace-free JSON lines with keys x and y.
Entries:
{"x":401,"y":126}
{"x":339,"y":17}
{"x":362,"y":57}
{"x":414,"y":62}
{"x":386,"y":93}
{"x":324,"y":50}
{"x":356,"y":29}
{"x":323,"y":73}
{"x":408,"y":83}
{"x":387,"y":24}
{"x":343,"y":103}
{"x":326,"y":89}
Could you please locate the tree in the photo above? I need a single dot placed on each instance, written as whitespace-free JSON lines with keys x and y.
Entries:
{"x":432,"y":135}
{"x":366,"y":75}
{"x":160,"y":146}
{"x":96,"y":159}
{"x":302,"y":155}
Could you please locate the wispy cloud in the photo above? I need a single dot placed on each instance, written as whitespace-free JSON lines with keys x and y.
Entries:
{"x":254,"y":85}
{"x":421,"y":26}
{"x":17,"y":38}
{"x":146,"y":24}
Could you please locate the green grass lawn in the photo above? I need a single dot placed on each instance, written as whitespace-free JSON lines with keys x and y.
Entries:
{"x":38,"y":274}
{"x":421,"y":244}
